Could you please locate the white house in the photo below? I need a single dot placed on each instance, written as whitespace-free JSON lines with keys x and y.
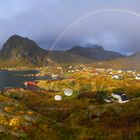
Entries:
{"x":100,"y":69}
{"x":120,"y":98}
{"x":54,"y":76}
{"x":58,"y":97}
{"x":137,"y":77}
{"x":115,"y":76}
{"x":68,"y":92}
{"x":119,"y":71}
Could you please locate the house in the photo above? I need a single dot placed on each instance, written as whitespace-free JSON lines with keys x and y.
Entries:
{"x":100,"y":69}
{"x":109,"y":70}
{"x":120,"y":71}
{"x":137,"y":77}
{"x":129,"y":71}
{"x":54,"y":76}
{"x":59,"y":68}
{"x":115,"y":76}
{"x":122,"y":98}
{"x":68,"y":92}
{"x":57,"y":97}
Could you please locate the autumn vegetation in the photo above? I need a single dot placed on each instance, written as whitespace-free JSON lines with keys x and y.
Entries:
{"x":35,"y":115}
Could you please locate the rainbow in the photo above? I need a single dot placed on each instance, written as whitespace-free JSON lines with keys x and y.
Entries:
{"x":89,"y":15}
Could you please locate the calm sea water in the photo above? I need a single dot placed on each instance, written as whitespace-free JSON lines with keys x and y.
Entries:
{"x":17,"y":78}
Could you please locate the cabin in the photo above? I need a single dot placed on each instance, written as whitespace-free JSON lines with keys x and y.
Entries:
{"x":59,"y":68}
{"x":122,"y":98}
{"x":68,"y":92}
{"x":115,"y":76}
{"x":57,"y":97}
{"x":120,"y":71}
{"x":109,"y":70}
{"x":100,"y":69}
{"x":54,"y":76}
{"x":137,"y":77}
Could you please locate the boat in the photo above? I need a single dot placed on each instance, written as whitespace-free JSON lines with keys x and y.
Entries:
{"x":30,"y":83}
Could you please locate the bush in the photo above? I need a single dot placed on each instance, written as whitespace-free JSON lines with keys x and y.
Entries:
{"x":100,"y":96}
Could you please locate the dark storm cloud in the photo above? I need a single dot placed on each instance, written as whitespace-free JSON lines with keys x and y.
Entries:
{"x":44,"y":20}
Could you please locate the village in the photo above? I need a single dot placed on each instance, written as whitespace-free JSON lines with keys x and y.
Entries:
{"x":79,"y":79}
{"x":91,"y":76}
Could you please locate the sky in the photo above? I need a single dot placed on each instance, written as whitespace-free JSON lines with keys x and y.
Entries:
{"x":45,"y":20}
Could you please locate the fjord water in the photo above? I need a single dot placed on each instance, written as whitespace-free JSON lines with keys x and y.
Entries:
{"x":16,"y":78}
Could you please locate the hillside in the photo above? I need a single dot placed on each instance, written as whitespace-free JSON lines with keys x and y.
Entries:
{"x":130,"y":62}
{"x":64,"y":57}
{"x":22,"y":50}
{"x":95,"y":52}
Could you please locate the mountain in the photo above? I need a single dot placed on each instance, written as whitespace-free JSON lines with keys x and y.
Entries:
{"x":95,"y":52}
{"x":130,"y":62}
{"x":20,"y":51}
{"x":23,"y":50}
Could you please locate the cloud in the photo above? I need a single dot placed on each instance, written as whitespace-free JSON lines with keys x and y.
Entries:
{"x":43,"y":21}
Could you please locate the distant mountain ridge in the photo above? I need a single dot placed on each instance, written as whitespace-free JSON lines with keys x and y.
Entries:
{"x":130,"y":62}
{"x":20,"y":51}
{"x":96,"y":53}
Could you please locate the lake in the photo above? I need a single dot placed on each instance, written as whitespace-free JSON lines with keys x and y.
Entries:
{"x":17,"y":78}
